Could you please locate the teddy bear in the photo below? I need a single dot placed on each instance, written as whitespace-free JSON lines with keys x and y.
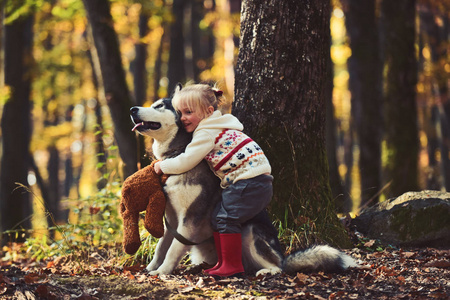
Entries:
{"x":142,"y":191}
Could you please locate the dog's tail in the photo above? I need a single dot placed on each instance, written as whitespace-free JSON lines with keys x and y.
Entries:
{"x":318,"y":258}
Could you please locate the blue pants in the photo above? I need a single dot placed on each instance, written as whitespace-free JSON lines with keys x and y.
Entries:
{"x":242,"y":201}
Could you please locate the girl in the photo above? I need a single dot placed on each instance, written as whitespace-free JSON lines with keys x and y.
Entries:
{"x":234,"y":157}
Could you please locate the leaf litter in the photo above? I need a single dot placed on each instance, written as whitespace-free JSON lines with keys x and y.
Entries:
{"x":387,"y":274}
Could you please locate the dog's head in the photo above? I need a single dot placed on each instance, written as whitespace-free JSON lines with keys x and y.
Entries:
{"x":159,"y":121}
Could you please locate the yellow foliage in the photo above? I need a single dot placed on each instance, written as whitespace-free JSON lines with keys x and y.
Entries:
{"x":340,"y":54}
{"x":5,"y":94}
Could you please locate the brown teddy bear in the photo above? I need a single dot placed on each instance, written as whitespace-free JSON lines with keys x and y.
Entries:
{"x":142,"y":191}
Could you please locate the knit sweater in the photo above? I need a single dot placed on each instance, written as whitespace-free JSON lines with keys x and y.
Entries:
{"x":230,"y":153}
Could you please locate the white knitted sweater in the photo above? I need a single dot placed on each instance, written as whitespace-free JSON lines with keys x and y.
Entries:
{"x":231,"y":154}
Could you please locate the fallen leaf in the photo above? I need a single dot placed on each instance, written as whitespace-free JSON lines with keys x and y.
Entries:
{"x":200,"y":283}
{"x":408,"y":254}
{"x":187,"y":289}
{"x":369,"y":243}
{"x":301,"y":279}
{"x":34,"y":278}
{"x":3,"y":288}
{"x":42,"y":291}
{"x":438,"y":264}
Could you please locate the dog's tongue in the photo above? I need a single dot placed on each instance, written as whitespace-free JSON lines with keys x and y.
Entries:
{"x":137,"y":125}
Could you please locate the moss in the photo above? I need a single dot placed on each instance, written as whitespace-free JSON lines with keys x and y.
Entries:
{"x":411,"y":225}
{"x":301,"y":186}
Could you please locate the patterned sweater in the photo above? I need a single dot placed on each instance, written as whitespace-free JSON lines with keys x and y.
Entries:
{"x":231,"y":154}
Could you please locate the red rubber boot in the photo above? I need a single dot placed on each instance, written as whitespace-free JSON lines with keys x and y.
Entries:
{"x":219,"y":253}
{"x":231,"y":248}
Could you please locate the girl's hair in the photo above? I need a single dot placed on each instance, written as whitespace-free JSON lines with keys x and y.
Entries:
{"x":197,"y":97}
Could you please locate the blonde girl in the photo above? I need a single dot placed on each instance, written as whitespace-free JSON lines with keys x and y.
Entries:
{"x":234,"y":157}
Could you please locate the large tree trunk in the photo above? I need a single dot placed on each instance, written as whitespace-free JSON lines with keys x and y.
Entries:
{"x":16,"y":126}
{"x":402,"y":144}
{"x":365,"y":85}
{"x":280,"y":98}
{"x":113,"y":78}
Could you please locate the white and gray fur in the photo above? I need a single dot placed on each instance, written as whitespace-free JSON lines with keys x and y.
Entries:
{"x":192,"y":196}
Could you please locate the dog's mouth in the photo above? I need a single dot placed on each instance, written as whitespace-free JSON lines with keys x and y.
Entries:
{"x":144,"y":125}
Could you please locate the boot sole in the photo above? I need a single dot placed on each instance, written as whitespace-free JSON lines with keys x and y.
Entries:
{"x":236,"y":275}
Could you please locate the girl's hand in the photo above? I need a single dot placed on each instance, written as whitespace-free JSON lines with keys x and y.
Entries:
{"x":158,"y":168}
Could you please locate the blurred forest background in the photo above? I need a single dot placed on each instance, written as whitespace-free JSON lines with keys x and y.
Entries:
{"x":68,"y":154}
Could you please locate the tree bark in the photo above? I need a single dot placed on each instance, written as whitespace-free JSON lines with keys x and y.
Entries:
{"x":139,"y":63}
{"x":366,"y":89}
{"x":113,"y":78}
{"x":197,"y":14}
{"x":16,"y":126}
{"x":402,"y":145}
{"x":280,"y":98}
{"x":434,"y":28}
{"x":176,"y":68}
{"x":341,"y":198}
{"x":140,"y":82}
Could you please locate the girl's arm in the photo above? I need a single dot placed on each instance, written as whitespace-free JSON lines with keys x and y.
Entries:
{"x":202,"y":143}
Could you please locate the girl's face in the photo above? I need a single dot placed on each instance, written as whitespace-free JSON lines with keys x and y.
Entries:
{"x":190,"y":118}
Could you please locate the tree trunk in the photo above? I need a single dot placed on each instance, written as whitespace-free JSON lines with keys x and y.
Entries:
{"x":365,"y":85}
{"x":138,"y":65}
{"x":340,"y":196}
{"x":140,"y":83}
{"x":158,"y":64}
{"x":280,"y":98}
{"x":434,"y":28}
{"x":197,"y":14}
{"x":16,"y":125}
{"x":176,"y":69}
{"x":402,"y":145}
{"x":99,"y":145}
{"x":53,"y":184}
{"x":113,"y":78}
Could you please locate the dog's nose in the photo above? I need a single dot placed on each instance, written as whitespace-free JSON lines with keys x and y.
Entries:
{"x":134,"y":110}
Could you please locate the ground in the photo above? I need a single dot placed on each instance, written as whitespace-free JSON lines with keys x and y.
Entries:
{"x":384,"y":273}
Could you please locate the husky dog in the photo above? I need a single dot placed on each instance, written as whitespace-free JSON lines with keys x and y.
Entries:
{"x":191,"y":198}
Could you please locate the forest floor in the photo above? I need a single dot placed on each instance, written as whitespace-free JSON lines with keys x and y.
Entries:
{"x":387,"y":273}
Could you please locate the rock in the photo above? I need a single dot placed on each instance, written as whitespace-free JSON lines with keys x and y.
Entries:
{"x":420,"y":219}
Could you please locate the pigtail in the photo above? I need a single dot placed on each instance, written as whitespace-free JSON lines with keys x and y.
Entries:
{"x":218,"y":97}
{"x":218,"y":93}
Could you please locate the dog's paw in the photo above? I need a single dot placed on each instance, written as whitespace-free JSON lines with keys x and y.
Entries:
{"x":153,"y":273}
{"x":271,"y":271}
{"x":159,"y":271}
{"x":151,"y":268}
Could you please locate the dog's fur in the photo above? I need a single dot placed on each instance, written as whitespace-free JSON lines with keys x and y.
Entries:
{"x":192,"y":196}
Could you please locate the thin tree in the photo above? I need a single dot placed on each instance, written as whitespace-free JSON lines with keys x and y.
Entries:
{"x":365,"y":85}
{"x":434,"y":31}
{"x":340,"y":196}
{"x":139,"y":69}
{"x":176,"y":68}
{"x":113,"y":78}
{"x":280,"y":95}
{"x":402,"y":145}
{"x":16,"y":125}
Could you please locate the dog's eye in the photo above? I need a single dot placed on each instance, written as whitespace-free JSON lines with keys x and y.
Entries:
{"x":159,"y":106}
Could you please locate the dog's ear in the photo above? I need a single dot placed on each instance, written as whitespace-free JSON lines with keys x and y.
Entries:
{"x":178,"y":87}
